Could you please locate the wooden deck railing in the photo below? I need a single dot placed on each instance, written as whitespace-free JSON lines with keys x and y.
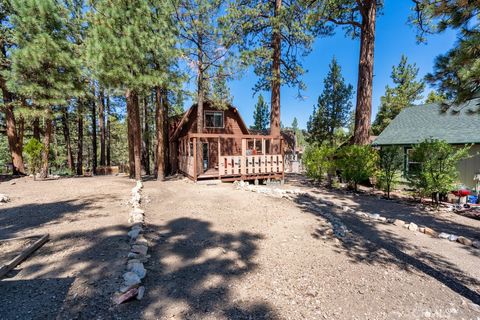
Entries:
{"x":250,"y":165}
{"x":186,"y":165}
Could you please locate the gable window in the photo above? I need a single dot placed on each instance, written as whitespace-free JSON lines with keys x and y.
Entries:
{"x":213,"y":119}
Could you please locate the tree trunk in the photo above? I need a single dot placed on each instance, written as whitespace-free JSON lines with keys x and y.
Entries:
{"x":166,"y":148}
{"x":46,"y":145}
{"x":146,"y":139}
{"x":101,"y":127}
{"x":363,"y":111}
{"x":94,"y":137}
{"x":80,"y":138}
{"x":36,"y":128}
{"x":108,"y":132}
{"x":275,"y":98}
{"x":159,"y":122}
{"x":66,"y":136}
{"x":14,"y":141}
{"x":131,"y":158}
{"x":134,"y":125}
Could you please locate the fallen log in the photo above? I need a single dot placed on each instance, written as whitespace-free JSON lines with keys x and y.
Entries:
{"x":23,"y":255}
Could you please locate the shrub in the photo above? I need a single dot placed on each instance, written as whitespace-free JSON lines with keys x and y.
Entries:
{"x":437,"y":171}
{"x":357,"y":163}
{"x":318,"y":161}
{"x":390,"y":165}
{"x":33,"y":149}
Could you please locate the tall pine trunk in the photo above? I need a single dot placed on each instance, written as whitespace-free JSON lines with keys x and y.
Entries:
{"x":146,"y":139}
{"x":363,"y":111}
{"x":134,"y":126}
{"x":166,"y":138}
{"x":46,"y":145}
{"x":101,"y":126}
{"x":200,"y":101}
{"x":80,"y":138}
{"x":159,"y":122}
{"x":66,"y":136}
{"x":94,"y":136}
{"x":108,"y":131}
{"x":36,"y":128}
{"x":275,"y":98}
{"x":14,"y":141}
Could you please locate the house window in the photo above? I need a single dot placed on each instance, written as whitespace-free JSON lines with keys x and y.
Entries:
{"x":412,"y":166}
{"x":213,"y":119}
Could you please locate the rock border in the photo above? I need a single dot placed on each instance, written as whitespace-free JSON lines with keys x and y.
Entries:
{"x":339,"y":229}
{"x":138,"y":255}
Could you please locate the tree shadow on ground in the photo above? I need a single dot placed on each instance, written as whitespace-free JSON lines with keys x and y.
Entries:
{"x":367,"y":244}
{"x":15,"y":220}
{"x":410,"y":213}
{"x":191,"y":272}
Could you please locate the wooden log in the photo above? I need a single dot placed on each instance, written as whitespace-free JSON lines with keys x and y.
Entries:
{"x":23,"y":255}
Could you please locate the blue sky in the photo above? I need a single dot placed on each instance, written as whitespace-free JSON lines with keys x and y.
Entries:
{"x":394,"y":37}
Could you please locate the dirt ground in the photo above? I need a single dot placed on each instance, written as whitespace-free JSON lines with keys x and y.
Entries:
{"x":221,"y":253}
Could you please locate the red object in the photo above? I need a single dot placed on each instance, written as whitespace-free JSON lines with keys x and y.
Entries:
{"x":462,"y":193}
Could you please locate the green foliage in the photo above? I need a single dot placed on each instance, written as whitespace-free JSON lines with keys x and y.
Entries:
{"x":333,"y":107}
{"x":435,"y":97}
{"x":406,"y":91}
{"x":261,"y":115}
{"x":4,"y":152}
{"x":390,"y":165}
{"x":252,"y":24}
{"x":319,"y":160}
{"x":436,"y":172}
{"x":33,"y":149}
{"x":221,"y":96}
{"x":357,"y":163}
{"x":456,"y":73}
{"x":43,"y":65}
{"x":129,"y":43}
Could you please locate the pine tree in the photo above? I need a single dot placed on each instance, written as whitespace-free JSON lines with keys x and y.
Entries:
{"x":435,"y":97}
{"x":358,"y":18}
{"x":261,"y":115}
{"x":457,"y":72}
{"x":7,"y":102}
{"x":407,"y":90}
{"x":333,"y":107}
{"x":126,"y":44}
{"x":43,"y":63}
{"x":221,"y":93}
{"x":272,"y":35}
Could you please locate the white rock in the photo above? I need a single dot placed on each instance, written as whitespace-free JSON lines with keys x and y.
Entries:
{"x":139,"y":184}
{"x":138,"y":269}
{"x":4,"y":198}
{"x":141,"y":293}
{"x":131,"y":278}
{"x":444,"y":235}
{"x":476,"y":244}
{"x":138,"y":210}
{"x":134,"y":233}
{"x":412,"y":227}
{"x":453,"y":237}
{"x":140,"y":249}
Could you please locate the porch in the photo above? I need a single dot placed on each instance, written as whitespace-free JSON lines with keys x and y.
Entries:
{"x":230,"y":157}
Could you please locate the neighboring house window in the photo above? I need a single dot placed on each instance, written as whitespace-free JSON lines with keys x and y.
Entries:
{"x":213,"y":119}
{"x":412,"y":166}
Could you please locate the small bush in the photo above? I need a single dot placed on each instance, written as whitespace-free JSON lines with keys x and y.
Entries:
{"x":33,"y":149}
{"x":437,"y":171}
{"x":319,"y":161}
{"x":390,"y":165}
{"x":357,"y":163}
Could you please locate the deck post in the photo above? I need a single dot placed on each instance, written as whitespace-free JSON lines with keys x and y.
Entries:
{"x":195,"y":159}
{"x":283,"y":161}
{"x":219,"y":153}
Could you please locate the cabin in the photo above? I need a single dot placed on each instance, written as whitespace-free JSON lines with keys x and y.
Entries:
{"x":458,"y":125}
{"x":225,"y":149}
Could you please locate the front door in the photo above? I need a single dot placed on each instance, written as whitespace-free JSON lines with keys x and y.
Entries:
{"x":205,"y":155}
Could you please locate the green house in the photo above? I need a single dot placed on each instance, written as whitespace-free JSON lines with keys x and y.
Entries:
{"x":457,"y":125}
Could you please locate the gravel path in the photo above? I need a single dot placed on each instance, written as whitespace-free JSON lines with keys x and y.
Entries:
{"x":220,"y":253}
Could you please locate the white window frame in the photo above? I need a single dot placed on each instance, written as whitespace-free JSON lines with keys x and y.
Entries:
{"x":213,"y":112}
